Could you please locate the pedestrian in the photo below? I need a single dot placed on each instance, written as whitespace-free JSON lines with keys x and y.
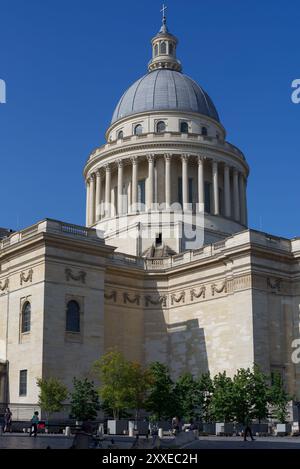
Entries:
{"x":7,"y":420}
{"x":34,"y":424}
{"x":247,"y":429}
{"x":175,"y":425}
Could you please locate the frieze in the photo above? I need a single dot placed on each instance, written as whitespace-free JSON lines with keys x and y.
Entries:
{"x":134,"y":300}
{"x":4,"y":285}
{"x":161,"y":300}
{"x":79,"y":277}
{"x":26,"y":278}
{"x":199,"y":294}
{"x":178,"y":299}
{"x":215,"y":289}
{"x":111,"y":296}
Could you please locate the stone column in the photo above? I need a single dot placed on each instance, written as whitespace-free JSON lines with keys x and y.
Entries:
{"x":185,"y":182}
{"x":227,"y":191}
{"x":200,"y":184}
{"x":150,"y":159}
{"x":168,"y":180}
{"x":92,"y":199}
{"x":107,"y":190}
{"x":120,"y":187}
{"x":216,"y":208}
{"x":98,"y":195}
{"x":243,"y":199}
{"x":134,"y":183}
{"x":87,"y":208}
{"x":236,"y":195}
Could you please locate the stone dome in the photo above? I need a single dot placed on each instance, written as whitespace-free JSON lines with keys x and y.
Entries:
{"x":165,"y":89}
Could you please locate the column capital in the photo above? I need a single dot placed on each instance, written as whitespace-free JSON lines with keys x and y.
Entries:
{"x":134,"y":159}
{"x":167,"y":156}
{"x":120,"y":163}
{"x":107,"y":167}
{"x":201,"y":159}
{"x":99,"y":173}
{"x":92,"y":177}
{"x":150,"y":157}
{"x":235,"y":170}
{"x":185,"y":156}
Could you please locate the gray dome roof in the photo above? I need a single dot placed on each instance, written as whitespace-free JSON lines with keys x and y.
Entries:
{"x":164,"y":89}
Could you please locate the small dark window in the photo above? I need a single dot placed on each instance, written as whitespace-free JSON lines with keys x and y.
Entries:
{"x":158,"y":240}
{"x":138,"y":130}
{"x":156,"y":50}
{"x":73,"y":317}
{"x":23,"y":383}
{"x":26,"y":317}
{"x":163,"y":48}
{"x":120,"y":134}
{"x":160,"y":127}
{"x":204,"y":131}
{"x":171,"y":48}
{"x":184,"y":127}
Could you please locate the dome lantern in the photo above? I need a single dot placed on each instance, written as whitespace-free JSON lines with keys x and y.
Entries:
{"x":164,"y":49}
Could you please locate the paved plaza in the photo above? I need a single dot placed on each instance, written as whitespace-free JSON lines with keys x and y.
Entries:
{"x":19,"y":441}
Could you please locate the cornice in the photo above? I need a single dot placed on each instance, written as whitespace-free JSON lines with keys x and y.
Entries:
{"x":164,"y":147}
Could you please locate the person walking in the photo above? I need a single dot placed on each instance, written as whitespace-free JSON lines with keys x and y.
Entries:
{"x":247,"y":429}
{"x":34,"y":424}
{"x":7,"y":420}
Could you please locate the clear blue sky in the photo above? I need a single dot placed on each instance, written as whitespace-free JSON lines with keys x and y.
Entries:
{"x":67,"y":62}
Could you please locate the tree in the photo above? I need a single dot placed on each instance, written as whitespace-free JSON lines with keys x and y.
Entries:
{"x":205,"y":390}
{"x":188,"y":397}
{"x":260,"y":394}
{"x":115,"y":375}
{"x":278,"y":398}
{"x":221,"y":401}
{"x":161,"y":401}
{"x":84,"y":400}
{"x":242,"y":395}
{"x":52,"y":395}
{"x":139,"y":381}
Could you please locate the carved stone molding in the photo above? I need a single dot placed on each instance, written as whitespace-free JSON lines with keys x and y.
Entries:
{"x":134,"y":300}
{"x":274,"y":284}
{"x":178,"y":299}
{"x":26,"y":278}
{"x":79,"y":277}
{"x":4,"y":285}
{"x":111,"y":296}
{"x":215,"y":289}
{"x":201,"y":293}
{"x":161,"y":300}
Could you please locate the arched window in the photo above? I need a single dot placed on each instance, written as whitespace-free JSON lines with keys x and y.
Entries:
{"x":120,"y":134}
{"x":73,"y":317}
{"x":163,"y":48}
{"x":26,"y":317}
{"x":204,"y":131}
{"x":156,"y":50}
{"x":138,"y":130}
{"x":184,"y":127}
{"x":160,"y":127}
{"x":171,"y":48}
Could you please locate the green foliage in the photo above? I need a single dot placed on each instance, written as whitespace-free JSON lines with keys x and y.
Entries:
{"x":84,"y":400}
{"x":260,"y":394}
{"x":278,"y":398}
{"x":221,"y":405}
{"x":123,"y":383}
{"x":52,"y":394}
{"x":205,"y":390}
{"x":188,"y":397}
{"x":161,"y":401}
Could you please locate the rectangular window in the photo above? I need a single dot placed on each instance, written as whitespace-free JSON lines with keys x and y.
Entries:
{"x":23,"y":383}
{"x":190,"y":190}
{"x":207,"y":195}
{"x":141,"y":192}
